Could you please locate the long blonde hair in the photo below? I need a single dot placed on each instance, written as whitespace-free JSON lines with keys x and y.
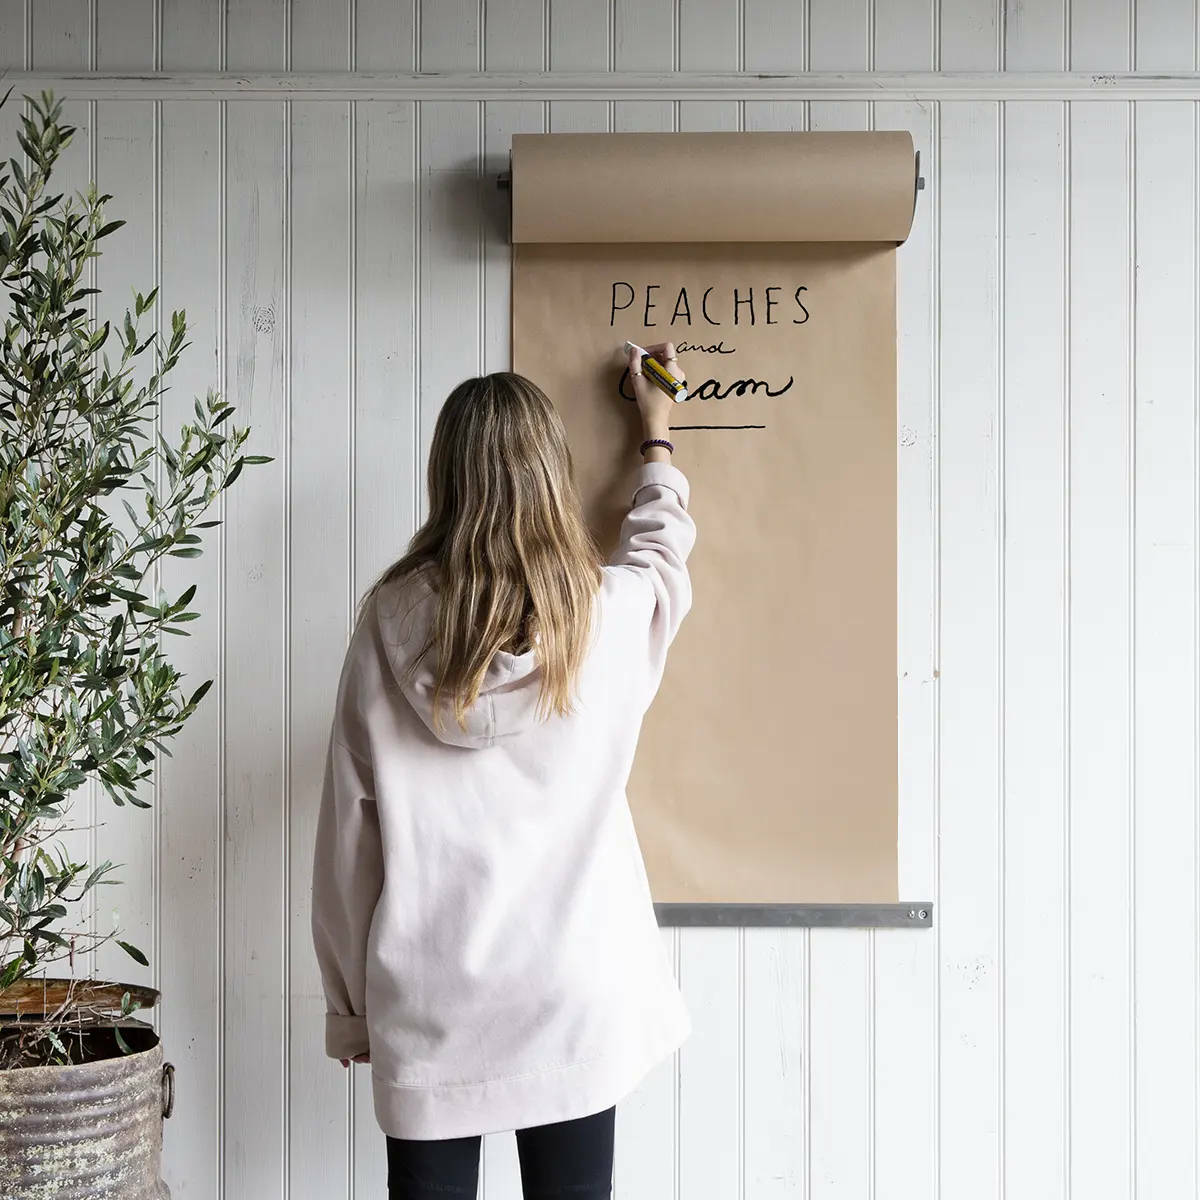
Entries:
{"x":506,"y":534}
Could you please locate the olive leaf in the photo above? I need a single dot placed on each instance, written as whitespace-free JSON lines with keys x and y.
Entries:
{"x":94,"y":493}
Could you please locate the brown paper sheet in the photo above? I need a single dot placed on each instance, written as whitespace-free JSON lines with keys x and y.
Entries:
{"x":766,"y":769}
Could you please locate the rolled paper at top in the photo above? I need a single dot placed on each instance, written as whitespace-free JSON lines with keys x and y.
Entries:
{"x":769,"y":186}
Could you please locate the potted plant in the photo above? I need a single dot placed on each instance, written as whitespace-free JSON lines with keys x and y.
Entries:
{"x":92,"y":496}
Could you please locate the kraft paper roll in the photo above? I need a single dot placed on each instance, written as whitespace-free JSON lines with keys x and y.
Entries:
{"x":766,"y":770}
{"x":713,"y":187}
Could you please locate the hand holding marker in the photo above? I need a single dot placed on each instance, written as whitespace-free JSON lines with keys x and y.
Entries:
{"x":658,"y":374}
{"x":654,"y":401}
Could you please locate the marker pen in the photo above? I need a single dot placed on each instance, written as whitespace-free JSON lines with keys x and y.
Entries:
{"x":659,"y":375}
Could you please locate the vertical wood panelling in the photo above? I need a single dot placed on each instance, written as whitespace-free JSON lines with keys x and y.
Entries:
{"x":775,"y":36}
{"x":256,"y":676}
{"x":189,"y":968}
{"x":902,"y":35}
{"x":1101,"y":924}
{"x":192,"y":35}
{"x":451,"y":298}
{"x":125,"y":166}
{"x":515,"y":35}
{"x":838,"y":33}
{"x":645,"y":34}
{"x":1165,"y":36}
{"x":578,"y":31}
{"x":450,"y":35}
{"x":61,"y":35}
{"x":321,"y":36}
{"x":1034,"y":799}
{"x":710,"y":35}
{"x":904,"y":963}
{"x":257,"y":34}
{"x":579,"y":54}
{"x":12,"y":47}
{"x":969,"y":36}
{"x":710,"y":1102}
{"x":191,"y":790}
{"x":1035,"y":36}
{"x":385,"y":34}
{"x":126,"y":35}
{"x":839,"y":1151}
{"x":502,"y":119}
{"x":839,"y":40}
{"x":647,"y":39}
{"x":320,"y":356}
{"x":385,"y":361}
{"x":344,"y":265}
{"x":1102,"y":35}
{"x":775,"y":1024}
{"x":1164,"y":684}
{"x":970,"y":418}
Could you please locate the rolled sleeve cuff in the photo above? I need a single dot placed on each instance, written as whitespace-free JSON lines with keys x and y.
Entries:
{"x":665,"y":473}
{"x":345,"y":1036}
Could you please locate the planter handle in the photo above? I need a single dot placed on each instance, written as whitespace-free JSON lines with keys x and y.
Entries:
{"x":168,"y":1089}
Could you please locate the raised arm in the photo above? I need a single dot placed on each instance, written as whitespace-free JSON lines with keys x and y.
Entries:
{"x":658,"y":533}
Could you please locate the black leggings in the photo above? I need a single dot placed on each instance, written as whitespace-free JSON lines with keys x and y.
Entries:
{"x":566,"y":1160}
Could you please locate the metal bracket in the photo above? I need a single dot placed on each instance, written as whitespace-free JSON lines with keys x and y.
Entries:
{"x":917,"y":915}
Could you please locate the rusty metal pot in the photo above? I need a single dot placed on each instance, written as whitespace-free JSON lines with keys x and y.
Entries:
{"x":91,"y":1131}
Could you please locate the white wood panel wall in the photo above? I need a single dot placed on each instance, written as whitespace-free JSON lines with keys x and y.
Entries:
{"x":343,"y":263}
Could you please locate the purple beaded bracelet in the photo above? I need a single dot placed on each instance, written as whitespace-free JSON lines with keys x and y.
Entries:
{"x":655,"y":442}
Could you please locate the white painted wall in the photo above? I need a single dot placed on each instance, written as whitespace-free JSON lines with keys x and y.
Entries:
{"x":1041,"y":1041}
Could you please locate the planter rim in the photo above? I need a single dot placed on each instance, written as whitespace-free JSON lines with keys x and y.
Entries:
{"x":32,"y":996}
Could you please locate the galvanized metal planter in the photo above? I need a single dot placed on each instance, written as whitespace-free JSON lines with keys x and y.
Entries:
{"x":87,"y":1132}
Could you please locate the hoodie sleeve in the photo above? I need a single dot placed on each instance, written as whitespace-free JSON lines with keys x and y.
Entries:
{"x":347,"y":881}
{"x":656,"y":537}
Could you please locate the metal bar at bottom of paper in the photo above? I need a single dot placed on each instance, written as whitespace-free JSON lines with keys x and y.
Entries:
{"x":913,"y":915}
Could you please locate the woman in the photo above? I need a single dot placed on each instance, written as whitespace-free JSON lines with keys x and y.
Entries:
{"x":481,"y":913}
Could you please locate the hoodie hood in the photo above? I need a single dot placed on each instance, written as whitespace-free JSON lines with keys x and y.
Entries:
{"x":507,"y":703}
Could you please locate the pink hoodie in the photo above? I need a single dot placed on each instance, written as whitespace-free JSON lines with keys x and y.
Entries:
{"x":480,"y":909}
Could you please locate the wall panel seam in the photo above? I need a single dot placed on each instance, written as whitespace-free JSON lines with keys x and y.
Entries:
{"x":1196,"y":627}
{"x":222,"y":625}
{"x":351,"y":491}
{"x":935,"y":137}
{"x":288,"y":562}
{"x":156,"y":859}
{"x":1131,"y":601}
{"x":93,"y":792}
{"x":1068,"y":779}
{"x":1001,"y":210}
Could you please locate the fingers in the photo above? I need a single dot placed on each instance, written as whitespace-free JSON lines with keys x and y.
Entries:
{"x":634,"y":362}
{"x":663,"y":351}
